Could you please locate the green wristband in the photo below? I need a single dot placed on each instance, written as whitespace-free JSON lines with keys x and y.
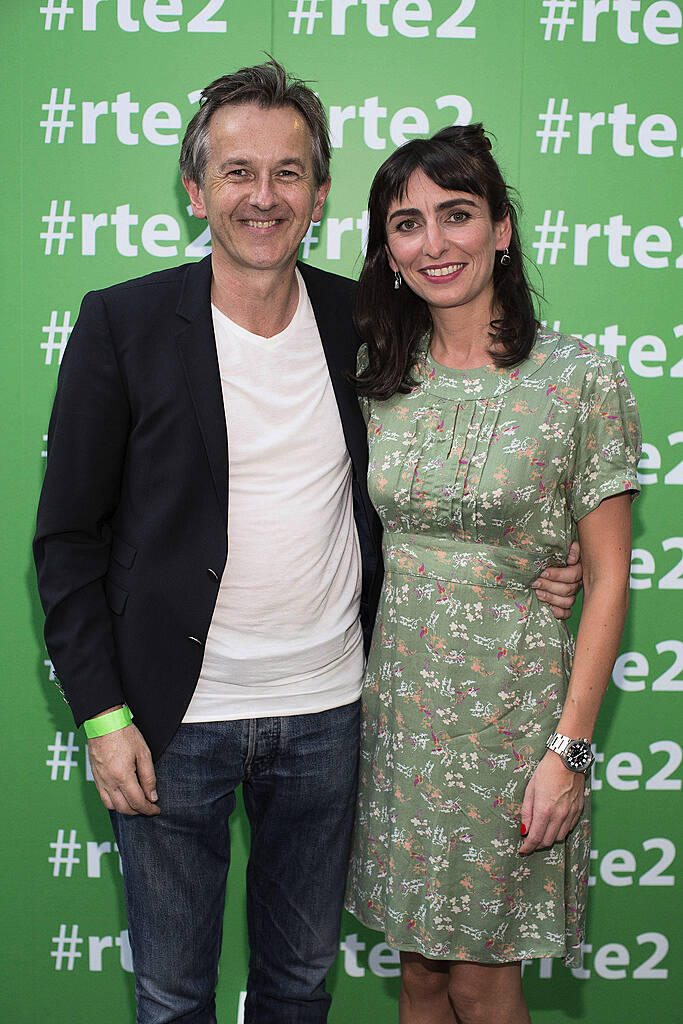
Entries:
{"x":110,"y":722}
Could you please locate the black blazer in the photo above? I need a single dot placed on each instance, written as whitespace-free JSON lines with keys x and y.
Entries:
{"x":131,"y":538}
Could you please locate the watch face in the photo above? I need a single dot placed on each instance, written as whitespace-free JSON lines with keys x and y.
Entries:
{"x":578,"y":756}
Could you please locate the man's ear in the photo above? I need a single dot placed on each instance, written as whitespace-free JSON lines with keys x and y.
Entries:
{"x":196,"y":198}
{"x":320,"y":196}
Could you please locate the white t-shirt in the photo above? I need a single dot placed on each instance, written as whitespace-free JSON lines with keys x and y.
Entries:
{"x":285,"y":637}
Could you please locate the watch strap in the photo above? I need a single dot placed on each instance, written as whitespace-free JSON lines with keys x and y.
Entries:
{"x":577,"y":760}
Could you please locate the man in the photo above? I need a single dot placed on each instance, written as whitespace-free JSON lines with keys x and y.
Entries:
{"x":230,"y":629}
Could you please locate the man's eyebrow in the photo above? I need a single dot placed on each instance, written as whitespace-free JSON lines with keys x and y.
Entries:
{"x":243,"y":161}
{"x":448,"y":204}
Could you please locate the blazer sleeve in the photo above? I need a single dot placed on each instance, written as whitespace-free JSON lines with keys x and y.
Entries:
{"x":87,"y":440}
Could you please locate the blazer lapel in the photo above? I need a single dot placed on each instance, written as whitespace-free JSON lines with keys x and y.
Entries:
{"x":197,"y":351}
{"x":340,"y":344}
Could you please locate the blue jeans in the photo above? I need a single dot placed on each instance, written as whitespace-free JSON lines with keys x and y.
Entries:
{"x":299,"y":779}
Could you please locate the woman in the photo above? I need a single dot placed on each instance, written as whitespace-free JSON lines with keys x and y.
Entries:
{"x":493,"y":443}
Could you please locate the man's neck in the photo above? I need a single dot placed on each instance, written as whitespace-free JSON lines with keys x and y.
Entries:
{"x":262,"y":302}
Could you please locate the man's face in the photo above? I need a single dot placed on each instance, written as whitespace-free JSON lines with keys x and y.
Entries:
{"x":259,"y":193}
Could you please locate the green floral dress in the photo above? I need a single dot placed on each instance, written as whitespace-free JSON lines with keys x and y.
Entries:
{"x":479,"y":478}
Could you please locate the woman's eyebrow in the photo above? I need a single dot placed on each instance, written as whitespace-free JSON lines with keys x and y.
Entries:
{"x":448,"y":204}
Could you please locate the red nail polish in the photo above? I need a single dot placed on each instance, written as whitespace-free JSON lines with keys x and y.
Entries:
{"x":523,"y":829}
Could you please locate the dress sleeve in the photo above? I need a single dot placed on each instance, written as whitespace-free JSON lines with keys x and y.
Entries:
{"x":362,"y":362}
{"x":608,"y":441}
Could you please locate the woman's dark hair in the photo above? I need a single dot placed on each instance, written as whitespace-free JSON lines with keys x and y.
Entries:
{"x":392,"y":322}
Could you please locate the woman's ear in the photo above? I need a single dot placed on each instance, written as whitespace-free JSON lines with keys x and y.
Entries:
{"x":503,"y":232}
{"x":390,"y":258}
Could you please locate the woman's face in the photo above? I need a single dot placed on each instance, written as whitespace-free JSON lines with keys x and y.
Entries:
{"x":444,"y":244}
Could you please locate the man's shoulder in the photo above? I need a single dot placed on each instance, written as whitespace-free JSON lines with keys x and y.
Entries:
{"x":162,"y":281}
{"x":344,"y":287}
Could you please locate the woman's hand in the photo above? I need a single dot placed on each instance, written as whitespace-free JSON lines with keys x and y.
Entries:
{"x":559,"y":584}
{"x":553,"y":802}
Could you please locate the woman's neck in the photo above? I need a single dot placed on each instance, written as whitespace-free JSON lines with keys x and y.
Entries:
{"x":461,"y":337}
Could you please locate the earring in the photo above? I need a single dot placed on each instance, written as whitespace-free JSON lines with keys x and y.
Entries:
{"x":398,"y":280}
{"x":506,"y":258}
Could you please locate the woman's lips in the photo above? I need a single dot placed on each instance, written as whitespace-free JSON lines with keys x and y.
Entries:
{"x":444,"y":272}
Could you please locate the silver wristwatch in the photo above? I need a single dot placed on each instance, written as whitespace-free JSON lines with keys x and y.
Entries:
{"x":576,"y":754}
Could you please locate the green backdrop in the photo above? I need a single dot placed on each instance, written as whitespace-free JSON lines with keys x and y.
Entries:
{"x":581,"y":95}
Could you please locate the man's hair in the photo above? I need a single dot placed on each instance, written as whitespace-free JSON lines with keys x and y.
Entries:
{"x":269,"y":86}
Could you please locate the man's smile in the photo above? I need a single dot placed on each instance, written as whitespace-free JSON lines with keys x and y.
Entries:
{"x":260,"y":223}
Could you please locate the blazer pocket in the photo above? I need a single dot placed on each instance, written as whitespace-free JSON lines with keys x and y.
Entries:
{"x":122,"y":552}
{"x":116,"y":596}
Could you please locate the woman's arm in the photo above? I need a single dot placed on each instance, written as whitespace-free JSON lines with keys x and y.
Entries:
{"x":554,"y":797}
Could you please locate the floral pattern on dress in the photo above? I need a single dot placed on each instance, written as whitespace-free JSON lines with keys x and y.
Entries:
{"x":479,"y":478}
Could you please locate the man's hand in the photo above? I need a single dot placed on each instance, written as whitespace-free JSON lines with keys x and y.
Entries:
{"x":122,"y":767}
{"x":552,"y":805}
{"x":559,"y":585}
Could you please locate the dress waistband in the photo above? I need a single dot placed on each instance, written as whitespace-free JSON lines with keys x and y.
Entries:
{"x":484,"y":565}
